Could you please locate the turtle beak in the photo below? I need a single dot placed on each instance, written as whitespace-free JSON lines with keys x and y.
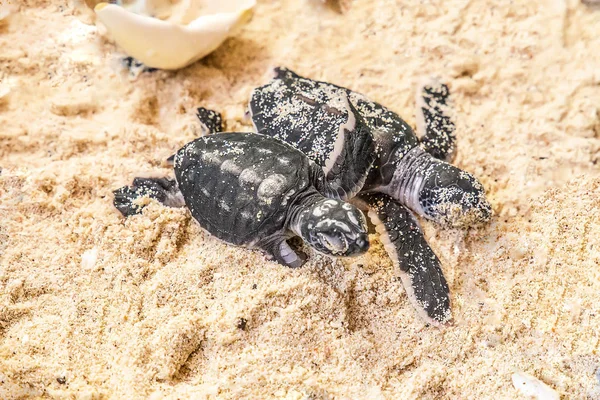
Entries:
{"x":339,"y":245}
{"x":336,"y":245}
{"x":361,"y":245}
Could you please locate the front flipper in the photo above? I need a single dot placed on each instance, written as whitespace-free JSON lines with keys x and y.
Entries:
{"x":420,"y":268}
{"x":434,"y":125}
{"x":348,"y":165}
{"x":281,"y":251}
{"x":163,"y":190}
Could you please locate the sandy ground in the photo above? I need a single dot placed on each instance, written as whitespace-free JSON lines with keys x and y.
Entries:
{"x":92,"y":306}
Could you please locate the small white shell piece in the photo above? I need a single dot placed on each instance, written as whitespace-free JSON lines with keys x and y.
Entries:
{"x":532,"y":387}
{"x":172,"y":36}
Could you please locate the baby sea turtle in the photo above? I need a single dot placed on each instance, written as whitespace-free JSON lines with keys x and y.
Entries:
{"x":254,"y":191}
{"x":407,"y":172}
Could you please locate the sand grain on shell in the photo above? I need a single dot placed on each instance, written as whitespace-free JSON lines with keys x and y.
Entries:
{"x":92,"y":306}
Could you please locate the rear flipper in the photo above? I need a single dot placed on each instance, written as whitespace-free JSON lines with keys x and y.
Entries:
{"x":135,"y":67}
{"x":420,"y":268}
{"x":163,"y":190}
{"x":211,"y":121}
{"x":434,"y":125}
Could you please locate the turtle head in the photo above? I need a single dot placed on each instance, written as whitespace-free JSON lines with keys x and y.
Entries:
{"x":453,"y":197}
{"x":439,"y":191}
{"x":333,"y":227}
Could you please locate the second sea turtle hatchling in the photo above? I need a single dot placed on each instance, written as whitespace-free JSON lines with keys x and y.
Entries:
{"x":254,"y":191}
{"x":408,"y":172}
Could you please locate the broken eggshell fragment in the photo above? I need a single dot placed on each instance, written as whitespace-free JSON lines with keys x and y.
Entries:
{"x":529,"y":385}
{"x":189,"y":33}
{"x":6,"y":10}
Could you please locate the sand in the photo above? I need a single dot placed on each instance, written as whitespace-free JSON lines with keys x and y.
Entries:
{"x":96,"y":307}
